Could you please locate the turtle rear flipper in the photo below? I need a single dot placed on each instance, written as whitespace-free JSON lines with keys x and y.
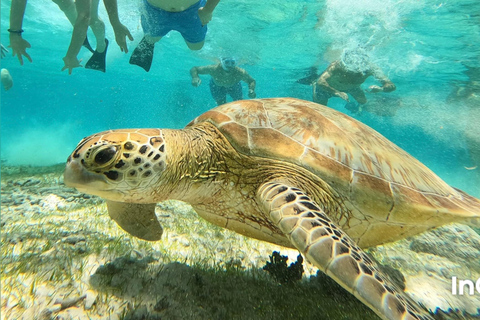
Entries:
{"x":137,"y":219}
{"x":312,"y":232}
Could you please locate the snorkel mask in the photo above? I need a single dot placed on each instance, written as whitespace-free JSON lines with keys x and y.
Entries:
{"x":228,"y":63}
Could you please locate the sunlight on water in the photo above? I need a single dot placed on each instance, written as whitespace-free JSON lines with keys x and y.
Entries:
{"x":360,"y":22}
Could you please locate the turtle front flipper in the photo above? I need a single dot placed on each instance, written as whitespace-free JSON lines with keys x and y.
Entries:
{"x":137,"y":219}
{"x":331,"y":250}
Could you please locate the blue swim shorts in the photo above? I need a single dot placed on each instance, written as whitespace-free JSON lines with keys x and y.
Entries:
{"x":220,"y":93}
{"x":157,"y":22}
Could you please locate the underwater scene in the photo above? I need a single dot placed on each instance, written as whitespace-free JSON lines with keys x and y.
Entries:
{"x":219,"y":159}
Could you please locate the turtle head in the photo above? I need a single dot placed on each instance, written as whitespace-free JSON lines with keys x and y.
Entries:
{"x":118,"y":165}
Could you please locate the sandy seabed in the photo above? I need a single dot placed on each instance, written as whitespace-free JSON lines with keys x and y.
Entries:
{"x":64,"y":258}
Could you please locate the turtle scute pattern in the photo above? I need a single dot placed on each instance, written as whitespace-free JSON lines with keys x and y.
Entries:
{"x":299,"y":131}
{"x":356,"y":162}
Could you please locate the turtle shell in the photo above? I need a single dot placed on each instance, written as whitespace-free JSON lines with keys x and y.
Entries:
{"x":376,"y":176}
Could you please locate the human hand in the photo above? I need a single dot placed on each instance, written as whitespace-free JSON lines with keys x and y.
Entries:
{"x":19,"y":46}
{"x":196,"y":81}
{"x":4,"y":51}
{"x":252,"y":94}
{"x":343,"y":96}
{"x":388,"y":87}
{"x":375,"y":89}
{"x":121,"y":34}
{"x":205,"y":16}
{"x":71,"y":63}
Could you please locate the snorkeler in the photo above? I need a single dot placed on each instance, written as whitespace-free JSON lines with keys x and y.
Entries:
{"x":81,"y":14}
{"x":344,"y":77}
{"x":159,"y":17}
{"x":226,"y":77}
{"x":78,"y":13}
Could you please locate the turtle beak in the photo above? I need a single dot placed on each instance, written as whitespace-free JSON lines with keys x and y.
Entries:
{"x":76,"y":176}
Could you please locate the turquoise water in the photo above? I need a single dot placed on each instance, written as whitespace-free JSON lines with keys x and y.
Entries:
{"x":423,"y":47}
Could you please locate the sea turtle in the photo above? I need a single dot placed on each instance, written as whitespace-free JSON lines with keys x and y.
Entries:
{"x":283,"y":170}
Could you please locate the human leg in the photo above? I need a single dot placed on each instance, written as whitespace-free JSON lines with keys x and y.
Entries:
{"x":155,"y":27}
{"x":320,"y":96}
{"x":69,"y":9}
{"x":98,"y":60}
{"x":195,"y":46}
{"x":97,"y":26}
{"x":358,"y":94}
{"x":189,"y":25}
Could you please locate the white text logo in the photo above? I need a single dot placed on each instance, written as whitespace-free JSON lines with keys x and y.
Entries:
{"x":468,"y":286}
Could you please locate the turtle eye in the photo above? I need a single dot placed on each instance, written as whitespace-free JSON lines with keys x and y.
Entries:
{"x":105,"y":156}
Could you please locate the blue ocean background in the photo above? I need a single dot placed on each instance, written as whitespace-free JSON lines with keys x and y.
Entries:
{"x":423,"y":47}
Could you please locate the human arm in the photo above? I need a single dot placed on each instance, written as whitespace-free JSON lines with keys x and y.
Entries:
{"x":78,"y":35}
{"x":322,"y":81}
{"x":121,"y":31}
{"x":17,"y":43}
{"x":205,"y":13}
{"x":387,"y":85}
{"x":195,"y":71}
{"x":251,"y":84}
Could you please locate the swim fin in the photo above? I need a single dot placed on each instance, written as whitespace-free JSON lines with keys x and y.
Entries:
{"x":97,"y":61}
{"x":353,"y":107}
{"x":311,"y":77}
{"x":142,"y":56}
{"x":87,"y":45}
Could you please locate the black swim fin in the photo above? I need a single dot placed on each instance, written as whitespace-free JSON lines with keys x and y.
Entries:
{"x":353,"y":107}
{"x":97,"y":61}
{"x":87,"y":45}
{"x":310,"y":78}
{"x":143,"y":54}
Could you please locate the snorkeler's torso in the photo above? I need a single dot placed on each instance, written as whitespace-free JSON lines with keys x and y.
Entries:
{"x":226,"y":78}
{"x":343,"y":79}
{"x":172,"y":5}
